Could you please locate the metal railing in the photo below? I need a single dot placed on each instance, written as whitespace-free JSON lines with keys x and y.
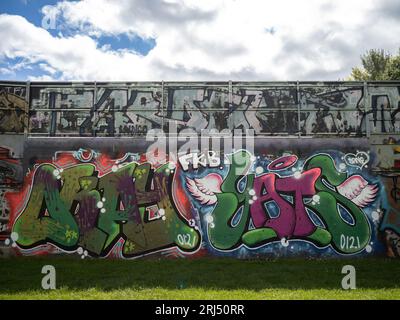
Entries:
{"x":283,"y":109}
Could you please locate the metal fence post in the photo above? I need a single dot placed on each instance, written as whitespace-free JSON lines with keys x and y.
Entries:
{"x":28,"y":100}
{"x":162,"y":105}
{"x":230,"y":93}
{"x":366,"y":110}
{"x":94,"y":109}
{"x":298,"y":109}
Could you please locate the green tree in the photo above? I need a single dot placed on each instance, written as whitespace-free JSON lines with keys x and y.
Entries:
{"x":393,"y":68}
{"x":377,"y":64}
{"x":374,"y":65}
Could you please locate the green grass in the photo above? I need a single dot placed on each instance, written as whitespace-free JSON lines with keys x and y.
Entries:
{"x":205,"y":278}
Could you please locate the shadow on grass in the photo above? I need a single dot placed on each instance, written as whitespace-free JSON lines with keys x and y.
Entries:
{"x":21,"y":274}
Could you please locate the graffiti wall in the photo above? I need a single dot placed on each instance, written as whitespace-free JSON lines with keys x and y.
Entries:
{"x":13,"y":109}
{"x":11,"y":178}
{"x":85,"y":185}
{"x":101,"y":111}
{"x":241,"y":204}
{"x":342,"y":109}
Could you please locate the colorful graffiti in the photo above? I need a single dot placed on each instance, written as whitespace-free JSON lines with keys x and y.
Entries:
{"x":390,"y":219}
{"x":277,"y":204}
{"x":88,"y":203}
{"x":97,"y":205}
{"x":11,"y":177}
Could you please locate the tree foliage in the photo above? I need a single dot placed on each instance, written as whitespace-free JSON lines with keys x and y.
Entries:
{"x":393,"y":68}
{"x":377,"y":64}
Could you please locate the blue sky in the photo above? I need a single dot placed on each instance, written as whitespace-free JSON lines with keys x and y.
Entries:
{"x":31,"y":10}
{"x":192,"y":40}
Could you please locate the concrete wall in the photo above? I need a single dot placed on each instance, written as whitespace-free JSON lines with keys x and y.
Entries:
{"x":320,"y":180}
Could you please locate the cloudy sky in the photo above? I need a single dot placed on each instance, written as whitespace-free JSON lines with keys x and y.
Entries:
{"x":192,"y":39}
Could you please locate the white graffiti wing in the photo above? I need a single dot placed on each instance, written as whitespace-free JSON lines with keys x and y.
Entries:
{"x":357,"y":189}
{"x":204,"y":189}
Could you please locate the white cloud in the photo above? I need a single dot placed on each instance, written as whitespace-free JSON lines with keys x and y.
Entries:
{"x":207,"y":40}
{"x":45,"y":67}
{"x":7,"y":71}
{"x":41,"y":78}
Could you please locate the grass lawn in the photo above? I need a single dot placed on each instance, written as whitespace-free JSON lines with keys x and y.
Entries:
{"x":203,"y":278}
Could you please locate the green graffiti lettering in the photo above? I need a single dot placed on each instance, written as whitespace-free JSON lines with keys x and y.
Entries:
{"x":224,"y":235}
{"x":346,"y":238}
